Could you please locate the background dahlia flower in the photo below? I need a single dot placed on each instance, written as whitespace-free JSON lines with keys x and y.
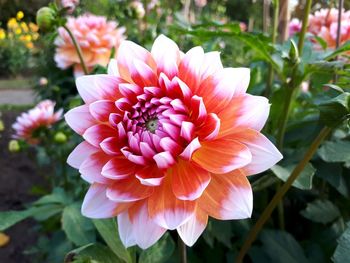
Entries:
{"x":28,"y":123}
{"x":70,"y":5}
{"x":324,"y":23}
{"x":96,"y":37}
{"x":170,"y":139}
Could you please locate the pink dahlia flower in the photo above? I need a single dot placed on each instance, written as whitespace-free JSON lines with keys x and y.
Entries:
{"x":294,"y":26}
{"x":70,"y":5}
{"x":170,"y":139}
{"x":96,"y":37}
{"x":41,"y":116}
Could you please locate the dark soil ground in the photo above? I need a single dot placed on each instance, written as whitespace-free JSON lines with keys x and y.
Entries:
{"x":17,"y":176}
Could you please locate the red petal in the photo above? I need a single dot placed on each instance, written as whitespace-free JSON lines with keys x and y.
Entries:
{"x":150,"y":176}
{"x":118,"y":168}
{"x":97,"y":133}
{"x":91,"y":168}
{"x":101,"y":109}
{"x":210,"y":129}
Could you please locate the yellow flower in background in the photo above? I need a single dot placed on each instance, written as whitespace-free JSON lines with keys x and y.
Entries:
{"x":12,"y":23}
{"x":30,"y":45}
{"x":19,"y":15}
{"x":24,"y":27}
{"x":35,"y":36}
{"x":18,"y":31}
{"x":2,"y":34}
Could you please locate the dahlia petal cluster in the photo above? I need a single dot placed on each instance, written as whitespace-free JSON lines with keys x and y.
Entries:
{"x":96,"y":37}
{"x":42,"y":115}
{"x":324,"y":23}
{"x":169,"y":140}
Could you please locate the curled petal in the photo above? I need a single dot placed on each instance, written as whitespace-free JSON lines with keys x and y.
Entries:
{"x":199,"y":112}
{"x":101,"y":109}
{"x":97,"y":205}
{"x":188,"y":180}
{"x":210,"y":129}
{"x":80,"y":153}
{"x":228,"y":196}
{"x":97,"y":133}
{"x":222,"y":155}
{"x":150,"y":176}
{"x":164,"y":160}
{"x":111,"y":145}
{"x":193,"y":146}
{"x":118,"y":168}
{"x":128,"y":190}
{"x":80,"y":119}
{"x":92,"y":166}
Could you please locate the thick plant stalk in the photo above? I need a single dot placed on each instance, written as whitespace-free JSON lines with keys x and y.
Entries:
{"x":282,"y":191}
{"x":266,"y":15}
{"x":77,"y":48}
{"x":284,"y":20}
{"x":182,"y":250}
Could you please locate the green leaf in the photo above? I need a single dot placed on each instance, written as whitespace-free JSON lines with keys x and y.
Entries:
{"x":281,"y":247}
{"x":304,"y":180}
{"x":108,"y":229}
{"x":78,"y":228}
{"x":342,"y":252}
{"x":340,"y":50}
{"x":92,"y":253}
{"x":334,"y":110}
{"x":160,"y":252}
{"x":338,"y":151}
{"x":321,"y":211}
{"x":44,"y":212}
{"x":57,"y":196}
{"x":9,"y":218}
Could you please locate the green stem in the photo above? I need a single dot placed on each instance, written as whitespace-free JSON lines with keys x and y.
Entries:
{"x":273,"y":41}
{"x":77,"y":48}
{"x":304,"y":26}
{"x":182,"y":250}
{"x":279,"y":195}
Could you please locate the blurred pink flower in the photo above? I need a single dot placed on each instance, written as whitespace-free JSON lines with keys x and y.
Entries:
{"x":200,"y":3}
{"x":170,"y":139}
{"x":96,"y":37}
{"x":243,"y":26}
{"x":43,"y":81}
{"x":70,"y":5}
{"x":294,"y":26}
{"x":138,"y":8}
{"x":41,"y":116}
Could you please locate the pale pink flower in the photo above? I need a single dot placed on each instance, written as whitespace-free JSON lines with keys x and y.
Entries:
{"x":170,"y":139}
{"x":200,"y":3}
{"x":294,"y":26}
{"x":41,"y":116}
{"x":70,"y":5}
{"x":137,"y":6}
{"x":43,"y":81}
{"x":96,"y":37}
{"x":243,"y":26}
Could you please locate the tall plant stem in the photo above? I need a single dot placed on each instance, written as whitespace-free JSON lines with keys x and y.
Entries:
{"x":282,"y":191}
{"x":291,"y":87}
{"x":182,"y":250}
{"x":273,"y":41}
{"x":340,"y":11}
{"x":77,"y":48}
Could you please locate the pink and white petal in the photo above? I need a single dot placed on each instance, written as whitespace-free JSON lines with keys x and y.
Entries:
{"x":150,"y":175}
{"x":264,"y":153}
{"x":222,"y":155}
{"x":218,"y":90}
{"x":96,"y":87}
{"x":145,"y":231}
{"x":143,"y":75}
{"x":127,"y":53}
{"x":199,"y":112}
{"x":246,"y":111}
{"x":118,"y":168}
{"x":113,"y":68}
{"x":164,"y":160}
{"x":211,"y":64}
{"x":111,"y":145}
{"x":168,"y":211}
{"x":97,"y":133}
{"x":193,"y":228}
{"x":210,"y":129}
{"x":188,"y":180}
{"x":126,"y":230}
{"x":128,"y":190}
{"x":101,"y":109}
{"x":190,"y":67}
{"x":92,"y":166}
{"x":80,"y":119}
{"x":80,"y":153}
{"x":193,"y":146}
{"x":97,"y":205}
{"x":166,"y":53}
{"x":228,"y":196}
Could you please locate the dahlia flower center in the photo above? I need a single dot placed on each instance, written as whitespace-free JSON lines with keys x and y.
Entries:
{"x":152,"y":125}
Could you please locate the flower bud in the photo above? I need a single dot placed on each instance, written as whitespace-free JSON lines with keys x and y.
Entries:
{"x":43,"y":81}
{"x":2,"y":126}
{"x":45,"y":18}
{"x":60,"y":137}
{"x":14,"y":146}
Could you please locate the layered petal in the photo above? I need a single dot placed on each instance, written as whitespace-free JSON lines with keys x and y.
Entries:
{"x":228,"y":196}
{"x":80,"y":153}
{"x":80,"y":119}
